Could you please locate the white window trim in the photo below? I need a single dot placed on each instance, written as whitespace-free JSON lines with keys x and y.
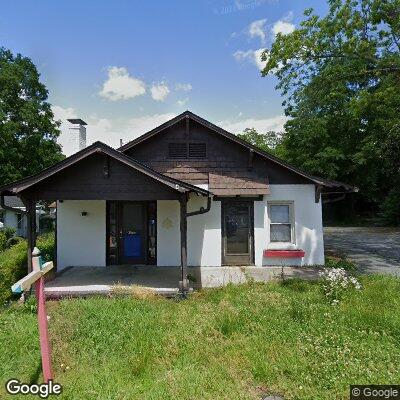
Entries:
{"x":283,"y":245}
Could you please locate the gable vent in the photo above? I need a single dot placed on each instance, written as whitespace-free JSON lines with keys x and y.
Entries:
{"x":177,"y":150}
{"x":197,"y":150}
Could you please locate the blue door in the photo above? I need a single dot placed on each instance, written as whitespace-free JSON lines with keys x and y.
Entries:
{"x":133,"y":233}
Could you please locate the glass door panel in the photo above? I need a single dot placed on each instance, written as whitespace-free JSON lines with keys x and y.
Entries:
{"x":237,"y":232}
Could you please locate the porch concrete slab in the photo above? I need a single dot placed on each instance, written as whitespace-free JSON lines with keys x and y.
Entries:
{"x":100,"y":280}
{"x":82,"y":281}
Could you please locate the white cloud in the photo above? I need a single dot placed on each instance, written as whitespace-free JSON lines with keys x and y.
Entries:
{"x":257,"y":29}
{"x":121,"y":86}
{"x":253,"y":56}
{"x":186,"y":87}
{"x":182,"y":102}
{"x":159,"y":91}
{"x":283,"y":26}
{"x":109,"y":131}
{"x":261,"y":125}
{"x":61,"y":113}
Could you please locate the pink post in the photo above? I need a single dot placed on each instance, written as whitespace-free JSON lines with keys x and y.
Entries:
{"x":43,"y":331}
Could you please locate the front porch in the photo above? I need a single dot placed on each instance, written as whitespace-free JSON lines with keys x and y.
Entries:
{"x":85,"y":281}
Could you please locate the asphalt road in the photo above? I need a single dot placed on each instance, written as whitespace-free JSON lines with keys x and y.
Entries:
{"x":374,"y":250}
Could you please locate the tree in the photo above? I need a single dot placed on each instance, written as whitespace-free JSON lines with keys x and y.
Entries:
{"x":28,"y":132}
{"x":268,"y":141}
{"x":340,"y":75}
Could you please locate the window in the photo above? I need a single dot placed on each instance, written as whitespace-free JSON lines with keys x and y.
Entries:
{"x":20,"y":222}
{"x":177,"y":150}
{"x":281,"y":222}
{"x":197,"y":150}
{"x":187,"y":150}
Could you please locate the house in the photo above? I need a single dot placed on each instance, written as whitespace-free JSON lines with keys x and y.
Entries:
{"x":186,"y":193}
{"x":14,"y":216}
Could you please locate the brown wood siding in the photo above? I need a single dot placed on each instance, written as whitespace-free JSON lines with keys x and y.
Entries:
{"x":87,"y":179}
{"x":225,"y":169}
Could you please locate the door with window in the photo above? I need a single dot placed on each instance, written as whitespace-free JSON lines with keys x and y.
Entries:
{"x":237,"y":232}
{"x":131,"y":232}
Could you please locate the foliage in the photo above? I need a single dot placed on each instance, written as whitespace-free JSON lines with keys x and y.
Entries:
{"x":28,"y":131}
{"x":46,"y":244}
{"x":13,"y":263}
{"x":338,"y":262}
{"x":12,"y":241}
{"x":268,"y":141}
{"x":3,"y":241}
{"x":238,"y":342}
{"x":391,"y":205}
{"x":341,"y":75}
{"x":6,"y":235}
{"x":336,"y":282}
{"x":46,"y":223}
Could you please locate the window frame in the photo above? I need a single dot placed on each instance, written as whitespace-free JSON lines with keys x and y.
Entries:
{"x":292,"y":221}
{"x":2,"y":216}
{"x":169,"y":147}
{"x":187,"y":150}
{"x":20,"y":221}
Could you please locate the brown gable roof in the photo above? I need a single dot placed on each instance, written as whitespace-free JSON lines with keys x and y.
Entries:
{"x":99,"y":147}
{"x":327,"y":184}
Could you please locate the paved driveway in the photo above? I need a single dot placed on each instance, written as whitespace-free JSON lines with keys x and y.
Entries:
{"x":374,"y":250}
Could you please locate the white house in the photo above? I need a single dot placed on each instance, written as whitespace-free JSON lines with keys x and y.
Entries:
{"x":16,"y":218}
{"x":187,"y":193}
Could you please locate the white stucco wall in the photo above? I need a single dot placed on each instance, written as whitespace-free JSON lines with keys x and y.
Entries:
{"x":168,"y":233}
{"x":81,"y":239}
{"x":204,"y":233}
{"x":308,"y":225}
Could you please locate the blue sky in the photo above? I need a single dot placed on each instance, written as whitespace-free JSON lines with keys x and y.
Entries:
{"x":127,"y":66}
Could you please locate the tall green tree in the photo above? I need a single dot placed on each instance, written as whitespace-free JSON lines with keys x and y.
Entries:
{"x":268,"y":141}
{"x":340,"y":75}
{"x":28,"y":132}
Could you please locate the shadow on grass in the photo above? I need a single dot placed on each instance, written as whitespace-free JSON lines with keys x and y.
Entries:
{"x":34,"y":378}
{"x":298,"y":285}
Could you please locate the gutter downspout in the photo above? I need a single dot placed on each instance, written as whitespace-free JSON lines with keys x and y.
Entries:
{"x":202,"y":209}
{"x":184,"y":283}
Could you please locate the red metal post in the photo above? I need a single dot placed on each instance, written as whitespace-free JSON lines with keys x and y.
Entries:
{"x":43,"y":331}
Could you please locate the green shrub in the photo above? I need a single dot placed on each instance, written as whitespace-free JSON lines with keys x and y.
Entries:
{"x":390,"y":207}
{"x":46,"y":245}
{"x":336,"y":262}
{"x":13,"y":241}
{"x":12,"y":267}
{"x":6,"y":234}
{"x":3,"y":241}
{"x":9,"y":232}
{"x":13,"y":263}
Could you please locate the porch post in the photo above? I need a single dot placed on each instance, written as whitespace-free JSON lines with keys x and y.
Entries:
{"x":183,"y":283}
{"x":30,"y":229}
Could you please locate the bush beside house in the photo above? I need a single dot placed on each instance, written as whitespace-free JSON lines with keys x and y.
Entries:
{"x":13,"y":262}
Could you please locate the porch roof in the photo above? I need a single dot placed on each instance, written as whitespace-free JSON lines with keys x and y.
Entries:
{"x":20,"y":186}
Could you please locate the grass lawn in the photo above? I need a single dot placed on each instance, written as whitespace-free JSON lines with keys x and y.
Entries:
{"x":239,"y":342}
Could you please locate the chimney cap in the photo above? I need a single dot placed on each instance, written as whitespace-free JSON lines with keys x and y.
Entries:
{"x":77,"y":121}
